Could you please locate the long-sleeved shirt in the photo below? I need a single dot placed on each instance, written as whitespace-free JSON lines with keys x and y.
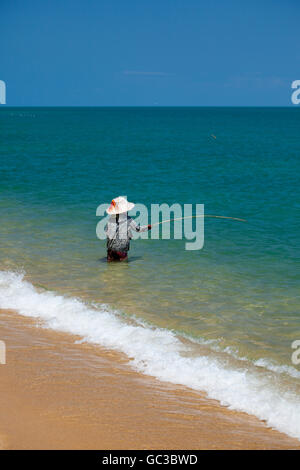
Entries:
{"x":119,"y":232}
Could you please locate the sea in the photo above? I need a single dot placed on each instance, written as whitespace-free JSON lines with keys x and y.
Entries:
{"x":223,"y":319}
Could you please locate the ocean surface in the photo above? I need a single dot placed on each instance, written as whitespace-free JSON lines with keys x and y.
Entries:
{"x":221,"y":319}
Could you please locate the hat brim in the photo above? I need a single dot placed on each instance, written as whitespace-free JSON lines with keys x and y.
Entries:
{"x":114,"y":210}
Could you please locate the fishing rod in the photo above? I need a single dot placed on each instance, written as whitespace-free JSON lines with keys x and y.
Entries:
{"x":202,"y":215}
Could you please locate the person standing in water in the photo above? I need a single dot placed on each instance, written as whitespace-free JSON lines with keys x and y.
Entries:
{"x":119,"y":229}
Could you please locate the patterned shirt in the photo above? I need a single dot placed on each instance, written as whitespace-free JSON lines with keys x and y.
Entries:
{"x":119,"y":231}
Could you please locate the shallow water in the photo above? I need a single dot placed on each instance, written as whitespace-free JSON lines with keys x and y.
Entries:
{"x":235,"y":301}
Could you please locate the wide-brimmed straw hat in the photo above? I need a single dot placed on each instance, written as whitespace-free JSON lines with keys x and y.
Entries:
{"x":119,"y":205}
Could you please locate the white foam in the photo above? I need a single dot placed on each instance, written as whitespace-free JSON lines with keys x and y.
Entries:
{"x":157,"y":352}
{"x":278,"y":368}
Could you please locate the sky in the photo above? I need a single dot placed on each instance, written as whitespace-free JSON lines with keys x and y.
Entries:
{"x":149,"y":52}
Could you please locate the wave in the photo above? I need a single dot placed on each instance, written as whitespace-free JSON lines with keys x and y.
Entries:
{"x":157,"y":352}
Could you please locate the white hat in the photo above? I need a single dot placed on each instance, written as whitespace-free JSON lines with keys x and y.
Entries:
{"x":119,"y":205}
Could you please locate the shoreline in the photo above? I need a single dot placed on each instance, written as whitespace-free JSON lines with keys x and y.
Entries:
{"x":56,"y":394}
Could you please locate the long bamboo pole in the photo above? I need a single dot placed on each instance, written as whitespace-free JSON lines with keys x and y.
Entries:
{"x":202,"y":215}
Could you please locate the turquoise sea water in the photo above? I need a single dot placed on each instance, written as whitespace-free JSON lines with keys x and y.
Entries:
{"x":236,"y":300}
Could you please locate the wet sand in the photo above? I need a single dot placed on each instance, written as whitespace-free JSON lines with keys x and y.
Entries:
{"x":56,"y":394}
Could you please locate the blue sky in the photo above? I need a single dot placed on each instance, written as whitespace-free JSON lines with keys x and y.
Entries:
{"x":149,"y":52}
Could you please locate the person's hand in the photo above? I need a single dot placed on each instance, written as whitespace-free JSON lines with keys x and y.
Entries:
{"x":149,"y":227}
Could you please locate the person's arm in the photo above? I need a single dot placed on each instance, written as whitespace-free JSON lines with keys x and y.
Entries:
{"x":138,"y":227}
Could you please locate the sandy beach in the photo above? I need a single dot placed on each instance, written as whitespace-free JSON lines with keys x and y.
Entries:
{"x":58,"y":394}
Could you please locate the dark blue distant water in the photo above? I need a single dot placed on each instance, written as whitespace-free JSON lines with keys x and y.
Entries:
{"x":236,"y":301}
